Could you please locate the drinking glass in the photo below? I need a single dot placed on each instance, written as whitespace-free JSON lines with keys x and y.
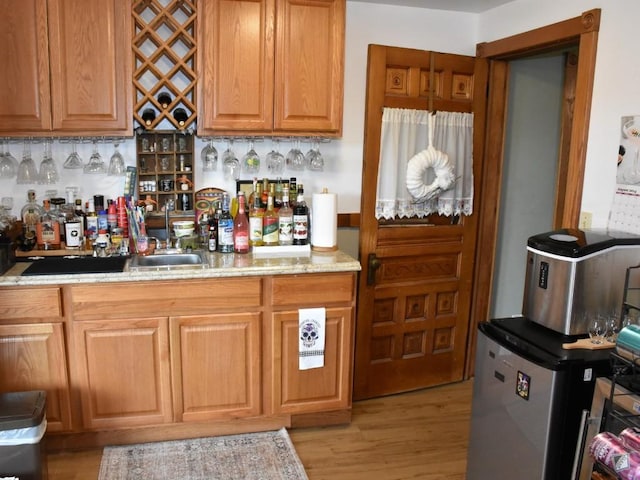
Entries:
{"x":117,"y":167}
{"x":8,"y":169}
{"x":209,"y":157}
{"x":7,"y":153}
{"x":230,"y":163}
{"x":313,"y":158}
{"x":251,"y":160}
{"x":96,"y":164}
{"x":7,"y":204}
{"x":597,"y":329}
{"x":27,"y":170}
{"x":295,"y":157}
{"x":275,"y":160}
{"x":73,"y":161}
{"x":48,"y":173}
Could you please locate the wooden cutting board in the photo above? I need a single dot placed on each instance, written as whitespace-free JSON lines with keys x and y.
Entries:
{"x":585,"y":343}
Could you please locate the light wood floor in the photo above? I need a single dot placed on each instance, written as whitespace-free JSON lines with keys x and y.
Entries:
{"x":416,"y":435}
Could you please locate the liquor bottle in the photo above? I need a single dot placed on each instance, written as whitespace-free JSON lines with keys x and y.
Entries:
{"x":48,"y":229}
{"x":285,"y":220}
{"x":270,"y":224}
{"x":265,"y":194}
{"x":92,"y":221}
{"x":57,"y":211}
{"x":184,"y":202}
{"x":164,"y":99}
{"x":148,"y":116}
{"x":73,"y":231}
{"x":241,"y":227}
{"x":212,"y":244}
{"x":30,"y":213}
{"x":293,"y":191}
{"x":180,"y":115}
{"x":300,"y":219}
{"x":225,"y":227}
{"x":256,"y":215}
{"x":79,"y":212}
{"x":112,"y":216}
{"x":277,"y":197}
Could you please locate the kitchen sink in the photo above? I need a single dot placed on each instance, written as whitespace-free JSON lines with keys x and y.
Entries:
{"x":168,"y":259}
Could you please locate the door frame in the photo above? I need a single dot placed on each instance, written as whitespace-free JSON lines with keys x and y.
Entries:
{"x":582,"y":32}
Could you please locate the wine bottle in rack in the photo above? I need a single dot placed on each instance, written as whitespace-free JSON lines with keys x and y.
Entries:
{"x":180,"y":115}
{"x":164,"y":99}
{"x":148,"y":116}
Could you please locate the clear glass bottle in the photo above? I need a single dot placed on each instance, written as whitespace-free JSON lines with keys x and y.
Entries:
{"x":30,"y":213}
{"x":285,"y":220}
{"x":270,"y":224}
{"x":300,"y":219}
{"x":212,"y":241}
{"x":92,"y":220}
{"x":57,"y":210}
{"x":256,"y":215}
{"x":225,"y":227}
{"x":48,"y":229}
{"x":241,"y":226}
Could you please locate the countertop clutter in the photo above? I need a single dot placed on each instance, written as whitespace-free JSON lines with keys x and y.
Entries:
{"x":217,"y":266}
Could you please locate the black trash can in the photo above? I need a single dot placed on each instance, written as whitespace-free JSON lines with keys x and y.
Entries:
{"x":22,"y":427}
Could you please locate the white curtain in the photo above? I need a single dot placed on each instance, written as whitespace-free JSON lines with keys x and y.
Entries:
{"x":405,"y":133}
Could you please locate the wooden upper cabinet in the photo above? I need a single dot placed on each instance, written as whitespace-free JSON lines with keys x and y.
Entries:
{"x":309,"y":66}
{"x":235,"y":44}
{"x":24,"y":83}
{"x":70,"y":67}
{"x":271,"y":66}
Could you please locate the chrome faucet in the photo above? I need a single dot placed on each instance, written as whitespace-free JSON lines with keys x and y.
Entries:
{"x":168,"y":207}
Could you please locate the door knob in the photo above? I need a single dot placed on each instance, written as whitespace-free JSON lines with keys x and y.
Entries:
{"x":374,"y":264}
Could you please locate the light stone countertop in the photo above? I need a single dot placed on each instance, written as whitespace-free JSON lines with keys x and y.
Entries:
{"x":219,"y":266}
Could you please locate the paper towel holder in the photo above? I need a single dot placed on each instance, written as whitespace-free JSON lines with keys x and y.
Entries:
{"x":320,"y":245}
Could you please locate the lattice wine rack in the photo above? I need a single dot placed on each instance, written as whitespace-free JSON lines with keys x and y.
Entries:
{"x":164,"y":49}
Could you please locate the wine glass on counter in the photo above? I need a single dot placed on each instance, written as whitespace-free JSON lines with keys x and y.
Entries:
{"x":209,"y":157}
{"x":597,"y":328}
{"x":27,"y":170}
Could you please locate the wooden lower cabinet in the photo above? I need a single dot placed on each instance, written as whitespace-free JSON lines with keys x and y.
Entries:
{"x":32,"y":357}
{"x":318,"y":389}
{"x":123,"y":372}
{"x":216,"y":362}
{"x":33,"y":349}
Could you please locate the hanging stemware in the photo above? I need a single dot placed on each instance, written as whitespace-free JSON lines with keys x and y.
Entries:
{"x":117,"y":167}
{"x":27,"y":170}
{"x":209,"y":157}
{"x":48,"y":173}
{"x":96,"y":164}
{"x":275,"y":160}
{"x":230,"y":163}
{"x":295,"y":157}
{"x":8,"y":169}
{"x":251,"y":160}
{"x":73,"y":161}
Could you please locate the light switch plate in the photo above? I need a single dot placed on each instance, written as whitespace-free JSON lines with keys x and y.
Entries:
{"x":585,"y":220}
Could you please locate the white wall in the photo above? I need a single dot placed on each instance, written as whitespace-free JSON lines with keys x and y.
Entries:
{"x":616,"y":82}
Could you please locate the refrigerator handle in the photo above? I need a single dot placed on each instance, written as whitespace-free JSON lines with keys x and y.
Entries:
{"x":582,"y":438}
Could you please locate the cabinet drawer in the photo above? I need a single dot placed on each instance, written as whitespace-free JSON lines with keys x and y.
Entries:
{"x":187,"y":297}
{"x":26,"y":303}
{"x":312,"y":289}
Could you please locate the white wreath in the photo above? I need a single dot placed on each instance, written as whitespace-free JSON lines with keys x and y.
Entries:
{"x":417,"y":167}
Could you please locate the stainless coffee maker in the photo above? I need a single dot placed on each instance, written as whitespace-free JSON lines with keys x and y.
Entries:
{"x":572,"y":274}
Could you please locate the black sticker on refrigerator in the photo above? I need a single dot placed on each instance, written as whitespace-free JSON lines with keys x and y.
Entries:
{"x":523,"y":385}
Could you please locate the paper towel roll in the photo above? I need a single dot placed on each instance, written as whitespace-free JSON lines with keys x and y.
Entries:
{"x":324,"y":221}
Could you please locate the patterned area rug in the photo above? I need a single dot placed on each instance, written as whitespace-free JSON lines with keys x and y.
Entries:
{"x":255,"y":456}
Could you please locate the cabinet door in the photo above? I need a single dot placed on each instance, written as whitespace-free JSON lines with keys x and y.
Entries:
{"x":235,"y":49}
{"x":90,"y":49}
{"x":33,"y":358}
{"x":216,"y":366}
{"x":317,"y":389}
{"x":123,"y":372}
{"x":309,"y":63}
{"x":25,"y":103}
